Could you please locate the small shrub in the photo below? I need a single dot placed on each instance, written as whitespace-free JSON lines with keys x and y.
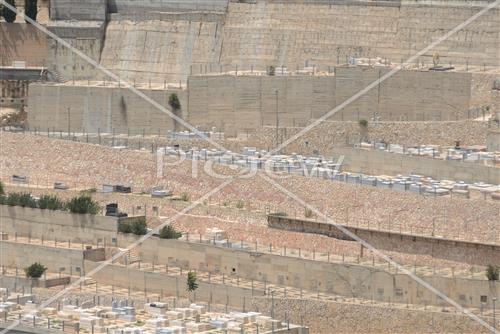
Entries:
{"x":137,"y":226}
{"x":363,"y":123}
{"x":83,"y":204}
{"x":50,"y":202}
{"x":192,"y":285}
{"x":225,"y":203}
{"x":124,"y":227}
{"x":492,"y":273}
{"x":240,"y":204}
{"x":308,"y":213}
{"x":36,"y":270}
{"x":26,"y":200}
{"x":3,"y":199}
{"x":21,"y":199}
{"x":13,"y":199}
{"x":169,"y":232}
{"x":271,"y":71}
{"x":185,"y":197}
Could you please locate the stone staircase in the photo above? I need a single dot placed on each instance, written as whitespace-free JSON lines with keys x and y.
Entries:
{"x":56,"y":76}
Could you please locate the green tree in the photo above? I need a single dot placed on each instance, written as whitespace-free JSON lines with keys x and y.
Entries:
{"x":492,"y":273}
{"x":36,"y":270}
{"x":139,"y":226}
{"x":31,"y":9}
{"x":173,"y":102}
{"x":169,"y":232}
{"x":2,"y":191}
{"x":192,"y":285}
{"x":363,"y":123}
{"x":7,"y":14}
{"x":83,"y":204}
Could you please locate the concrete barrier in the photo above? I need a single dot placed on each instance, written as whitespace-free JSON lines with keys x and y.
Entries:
{"x":59,"y":225}
{"x":335,"y":278}
{"x":162,"y":283}
{"x":21,"y":255}
{"x":473,"y":253}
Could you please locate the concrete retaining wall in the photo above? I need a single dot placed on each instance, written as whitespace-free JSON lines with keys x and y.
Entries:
{"x":90,"y":10}
{"x":345,"y":280}
{"x":126,"y":6}
{"x":97,"y":108}
{"x":474,"y":253}
{"x":64,"y":226}
{"x":23,"y":42}
{"x":291,"y":33}
{"x":21,"y":255}
{"x":161,"y":48}
{"x":171,"y":285}
{"x":235,"y":104}
{"x":239,"y":103}
{"x":21,"y":282}
{"x":87,"y":37}
{"x":406,"y":96}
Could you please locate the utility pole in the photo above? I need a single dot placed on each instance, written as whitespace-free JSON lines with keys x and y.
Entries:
{"x":272,"y":304}
{"x":277,"y":118}
{"x":494,"y":315}
{"x":69,"y":122}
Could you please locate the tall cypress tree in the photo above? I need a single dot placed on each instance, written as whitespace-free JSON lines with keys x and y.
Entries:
{"x":9,"y":15}
{"x":31,"y":9}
